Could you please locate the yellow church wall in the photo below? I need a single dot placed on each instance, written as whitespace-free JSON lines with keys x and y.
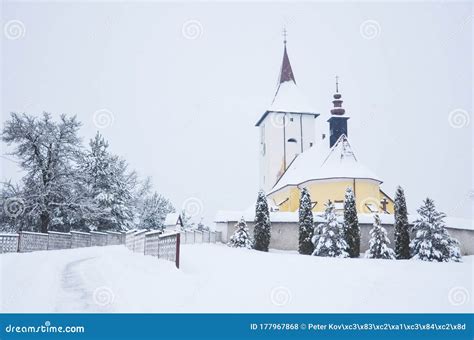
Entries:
{"x":366,"y":192}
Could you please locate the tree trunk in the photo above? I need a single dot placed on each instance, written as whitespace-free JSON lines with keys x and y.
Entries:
{"x":44,"y":222}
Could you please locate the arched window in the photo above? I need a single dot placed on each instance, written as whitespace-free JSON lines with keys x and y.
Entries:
{"x":292,"y":140}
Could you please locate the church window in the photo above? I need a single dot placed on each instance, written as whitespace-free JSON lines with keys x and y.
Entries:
{"x":310,"y":144}
{"x":291,"y":119}
{"x":292,"y":140}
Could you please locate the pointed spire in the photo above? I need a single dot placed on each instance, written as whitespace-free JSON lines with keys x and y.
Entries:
{"x":337,"y":102}
{"x":286,"y":73}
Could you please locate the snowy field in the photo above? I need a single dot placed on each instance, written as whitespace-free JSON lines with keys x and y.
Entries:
{"x":216,"y":278}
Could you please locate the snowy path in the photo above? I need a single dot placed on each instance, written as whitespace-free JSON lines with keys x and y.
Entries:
{"x":215,"y":278}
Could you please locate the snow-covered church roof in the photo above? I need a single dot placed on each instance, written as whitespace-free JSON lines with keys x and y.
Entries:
{"x":288,"y":97}
{"x":313,"y":164}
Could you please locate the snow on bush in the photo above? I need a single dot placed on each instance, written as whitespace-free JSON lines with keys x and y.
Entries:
{"x":328,"y":238}
{"x":432,"y":241}
{"x":240,"y":238}
{"x":379,"y":242}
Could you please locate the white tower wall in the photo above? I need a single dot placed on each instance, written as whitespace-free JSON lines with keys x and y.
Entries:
{"x":283,"y":136}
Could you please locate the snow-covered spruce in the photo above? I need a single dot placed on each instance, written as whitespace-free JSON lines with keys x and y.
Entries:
{"x":402,"y":237}
{"x":262,"y":230}
{"x":241,"y":238}
{"x":109,"y":186}
{"x":379,"y":243}
{"x":151,"y":207}
{"x":432,"y":241}
{"x":351,"y":224}
{"x":329,"y":239}
{"x":306,"y":225}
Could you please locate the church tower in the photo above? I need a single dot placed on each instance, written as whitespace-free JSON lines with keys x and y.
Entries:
{"x":338,"y":120}
{"x":286,"y":129}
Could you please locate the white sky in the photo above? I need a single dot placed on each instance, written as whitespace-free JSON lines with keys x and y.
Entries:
{"x":184,"y":109}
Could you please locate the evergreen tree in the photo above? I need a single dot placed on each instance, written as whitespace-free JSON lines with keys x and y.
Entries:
{"x":402,"y":237}
{"x":262,"y":230}
{"x":151,"y":207}
{"x":110,"y":186}
{"x":330,"y":242}
{"x":432,"y":241}
{"x":187,"y":223}
{"x":306,"y":226}
{"x":202,"y":227}
{"x":351,"y":224}
{"x":241,"y":238}
{"x":379,"y":242}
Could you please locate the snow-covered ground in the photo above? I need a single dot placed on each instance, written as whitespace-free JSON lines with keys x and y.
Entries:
{"x":216,"y":278}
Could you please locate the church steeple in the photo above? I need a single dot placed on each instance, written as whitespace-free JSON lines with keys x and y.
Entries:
{"x":287,"y":127}
{"x":337,"y":122}
{"x":286,"y":72}
{"x":337,"y":102}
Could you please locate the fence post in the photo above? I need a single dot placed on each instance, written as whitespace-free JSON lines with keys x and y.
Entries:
{"x":178,"y":239}
{"x":19,"y":238}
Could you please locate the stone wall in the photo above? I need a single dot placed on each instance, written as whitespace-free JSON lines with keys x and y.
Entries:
{"x":285,"y":235}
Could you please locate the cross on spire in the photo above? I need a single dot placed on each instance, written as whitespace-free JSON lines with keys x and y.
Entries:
{"x":337,"y":84}
{"x":284,"y":35}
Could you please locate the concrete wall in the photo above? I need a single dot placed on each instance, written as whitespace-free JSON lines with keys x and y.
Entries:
{"x":59,"y":240}
{"x":285,"y":235}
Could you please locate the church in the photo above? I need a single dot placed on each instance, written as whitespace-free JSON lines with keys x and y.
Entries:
{"x":294,"y":156}
{"x":298,"y":149}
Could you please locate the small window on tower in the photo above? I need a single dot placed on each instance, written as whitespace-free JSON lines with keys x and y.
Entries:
{"x":292,"y":140}
{"x":310,"y":144}
{"x":291,"y":119}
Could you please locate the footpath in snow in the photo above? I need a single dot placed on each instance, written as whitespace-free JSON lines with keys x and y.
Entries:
{"x":216,"y":278}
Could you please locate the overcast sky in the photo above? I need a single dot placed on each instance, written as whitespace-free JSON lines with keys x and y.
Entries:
{"x":185,"y":84}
